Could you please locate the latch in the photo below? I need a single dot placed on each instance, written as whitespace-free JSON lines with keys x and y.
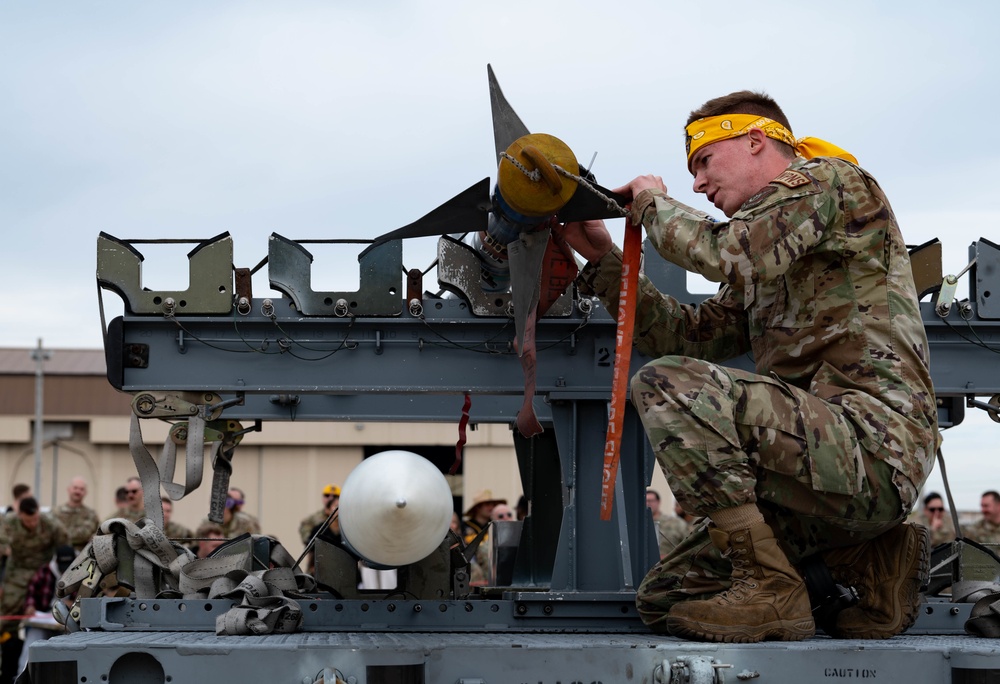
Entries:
{"x":690,"y":670}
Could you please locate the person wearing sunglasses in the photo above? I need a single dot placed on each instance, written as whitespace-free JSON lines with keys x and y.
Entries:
{"x":935,"y":517}
{"x":135,"y":505}
{"x":502,"y":512}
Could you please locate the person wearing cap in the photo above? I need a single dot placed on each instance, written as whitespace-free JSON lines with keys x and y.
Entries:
{"x":820,"y":452}
{"x":309,"y":524}
{"x":41,"y":594}
{"x":477,"y":516}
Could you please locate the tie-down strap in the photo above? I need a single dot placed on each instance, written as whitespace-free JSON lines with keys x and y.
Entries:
{"x":138,"y":557}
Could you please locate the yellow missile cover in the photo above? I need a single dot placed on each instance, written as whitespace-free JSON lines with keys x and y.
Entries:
{"x":548,"y":194}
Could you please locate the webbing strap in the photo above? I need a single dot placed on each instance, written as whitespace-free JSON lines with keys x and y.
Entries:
{"x":984,"y":620}
{"x":194,"y":459}
{"x":222,"y":468}
{"x":527,"y":421}
{"x":558,"y":270}
{"x":147,"y":548}
{"x":623,"y":355}
{"x":463,"y":423}
{"x":149,"y":473}
{"x":162,"y":568}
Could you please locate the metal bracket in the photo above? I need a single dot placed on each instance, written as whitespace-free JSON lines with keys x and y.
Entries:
{"x":175,"y":404}
{"x":946,"y":296}
{"x":210,"y":269}
{"x":987,"y":279}
{"x":460,"y":271}
{"x":380,"y":292}
{"x":925,"y":262}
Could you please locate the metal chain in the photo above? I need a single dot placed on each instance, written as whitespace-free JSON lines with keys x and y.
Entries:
{"x":536,"y":176}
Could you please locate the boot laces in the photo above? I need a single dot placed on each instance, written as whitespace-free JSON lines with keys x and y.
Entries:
{"x":742,"y":577}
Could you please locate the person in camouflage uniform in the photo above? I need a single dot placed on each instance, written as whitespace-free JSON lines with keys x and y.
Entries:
{"x":986,"y":530}
{"x":135,"y":508}
{"x":32,"y":538}
{"x":823,"y":449}
{"x":237,"y":495}
{"x":80,"y":521}
{"x":235,"y":523}
{"x":331,"y":499}
{"x":173,"y":529}
{"x":672,"y":529}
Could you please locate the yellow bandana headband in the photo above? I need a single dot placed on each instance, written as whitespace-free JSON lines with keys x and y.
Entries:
{"x":715,"y":128}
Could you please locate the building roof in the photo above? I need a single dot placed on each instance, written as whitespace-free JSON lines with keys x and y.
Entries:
{"x":18,"y":361}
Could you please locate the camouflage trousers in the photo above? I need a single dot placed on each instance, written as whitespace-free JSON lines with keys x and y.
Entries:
{"x":15,"y":592}
{"x":726,"y":437}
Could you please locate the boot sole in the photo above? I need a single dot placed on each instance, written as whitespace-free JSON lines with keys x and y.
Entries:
{"x":906,"y":593}
{"x":781,"y":630}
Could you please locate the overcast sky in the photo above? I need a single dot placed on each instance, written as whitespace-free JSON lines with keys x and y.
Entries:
{"x":345,"y":120}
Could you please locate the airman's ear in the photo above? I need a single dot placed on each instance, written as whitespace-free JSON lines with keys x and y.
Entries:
{"x":756,"y":139}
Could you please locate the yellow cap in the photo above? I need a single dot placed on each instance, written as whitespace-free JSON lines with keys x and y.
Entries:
{"x":548,"y":194}
{"x":331,"y":489}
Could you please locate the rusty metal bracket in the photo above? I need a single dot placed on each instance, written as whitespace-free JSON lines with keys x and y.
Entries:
{"x":460,"y":271}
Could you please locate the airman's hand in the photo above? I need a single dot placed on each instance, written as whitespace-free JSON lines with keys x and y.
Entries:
{"x":590,"y":239}
{"x":639,"y":184}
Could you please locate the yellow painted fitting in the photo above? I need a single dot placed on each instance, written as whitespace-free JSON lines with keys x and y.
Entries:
{"x":551,"y":192}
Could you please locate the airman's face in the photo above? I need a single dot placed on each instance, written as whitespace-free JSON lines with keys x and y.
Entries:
{"x":30,"y":522}
{"x":723,"y":174}
{"x":133,"y":490}
{"x":990,"y":509}
{"x":501,"y":512}
{"x":77,"y":490}
{"x":934,"y":509}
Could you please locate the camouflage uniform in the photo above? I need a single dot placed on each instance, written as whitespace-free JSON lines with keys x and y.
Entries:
{"x":175,"y":530}
{"x":836,"y":432}
{"x":29,"y":550}
{"x":81,"y":522}
{"x":240,"y":523}
{"x":983,"y":531}
{"x":130,"y":514}
{"x":940,"y":535}
{"x":309,"y":524}
{"x":669,"y":533}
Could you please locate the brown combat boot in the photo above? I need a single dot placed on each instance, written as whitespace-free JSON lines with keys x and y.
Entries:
{"x":887,"y":573}
{"x":767,"y":599}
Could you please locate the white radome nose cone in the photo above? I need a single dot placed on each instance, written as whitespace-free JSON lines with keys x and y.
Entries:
{"x":395,"y":508}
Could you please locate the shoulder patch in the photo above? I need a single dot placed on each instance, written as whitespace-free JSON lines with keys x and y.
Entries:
{"x":792,"y":179}
{"x":756,"y":199}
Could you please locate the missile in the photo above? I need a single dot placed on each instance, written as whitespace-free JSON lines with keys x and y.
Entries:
{"x":395,"y":508}
{"x":538,"y":183}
